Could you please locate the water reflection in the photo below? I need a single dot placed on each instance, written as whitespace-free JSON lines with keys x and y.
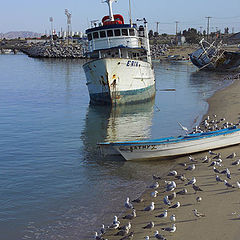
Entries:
{"x":105,"y":124}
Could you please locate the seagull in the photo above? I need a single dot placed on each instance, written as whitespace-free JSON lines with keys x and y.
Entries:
{"x":212,"y":153}
{"x":173,"y":218}
{"x":183,"y":164}
{"x":147,"y":238}
{"x":154,"y":194}
{"x":176,"y":205}
{"x":232,"y":155}
{"x":181,"y":177}
{"x":225,"y":171}
{"x":218,"y":179}
{"x":170,"y":229}
{"x":198,"y":214}
{"x":191,"y":167}
{"x":236,"y":163}
{"x":212,"y":164}
{"x":149,"y":226}
{"x":128,"y":204}
{"x":138,"y":200}
{"x":102,"y":230}
{"x":196,"y":188}
{"x":172,"y":173}
{"x":156,"y":177}
{"x":206,"y":159}
{"x":228,"y":184}
{"x":159,"y":236}
{"x":155,"y":185}
{"x":128,"y":237}
{"x":163,"y":215}
{"x":166,"y":201}
{"x":172,"y":196}
{"x":150,"y":207}
{"x":191,"y":159}
{"x":122,"y":232}
{"x":215,"y":170}
{"x":131,"y":216}
{"x":182,"y":192}
{"x":228,"y":175}
{"x":198,"y":199}
{"x":127,"y":226}
{"x":217,"y":156}
{"x":97,"y":237}
{"x":193,"y":181}
{"x":171,"y":186}
{"x":238,"y":184}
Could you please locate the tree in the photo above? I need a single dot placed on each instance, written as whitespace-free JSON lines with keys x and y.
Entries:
{"x":150,"y":34}
{"x":226,"y":30}
{"x":191,"y":35}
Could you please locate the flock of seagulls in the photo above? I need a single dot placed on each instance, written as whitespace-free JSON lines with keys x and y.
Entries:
{"x":170,"y":202}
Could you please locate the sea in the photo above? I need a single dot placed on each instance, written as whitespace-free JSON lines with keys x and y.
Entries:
{"x":54,"y":183}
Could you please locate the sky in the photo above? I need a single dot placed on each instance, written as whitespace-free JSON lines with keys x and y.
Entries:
{"x":32,"y":15}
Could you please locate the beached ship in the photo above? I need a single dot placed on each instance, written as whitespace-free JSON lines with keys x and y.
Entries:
{"x":214,"y":57}
{"x":119,"y":69}
{"x":172,"y":146}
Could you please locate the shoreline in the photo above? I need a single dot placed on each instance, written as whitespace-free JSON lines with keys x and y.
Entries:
{"x":220,"y":205}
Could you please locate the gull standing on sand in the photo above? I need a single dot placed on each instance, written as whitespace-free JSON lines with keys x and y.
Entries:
{"x":171,"y":186}
{"x":166,"y":201}
{"x":128,"y":237}
{"x":181,"y":177}
{"x":198,"y":214}
{"x":154,"y":186}
{"x":150,"y":207}
{"x":98,"y":237}
{"x":214,"y":163}
{"x":176,"y":205}
{"x":218,"y":179}
{"x":172,"y":196}
{"x":198,"y":199}
{"x":115,"y":223}
{"x":102,"y":230}
{"x":196,"y":188}
{"x":156,"y":177}
{"x":232,"y":155}
{"x":147,"y":238}
{"x":192,"y":181}
{"x":159,"y":236}
{"x":212,"y":153}
{"x":173,"y":218}
{"x":238,"y":185}
{"x":191,"y":167}
{"x":128,"y":204}
{"x":138,"y":200}
{"x":228,"y":184}
{"x":154,"y":194}
{"x":131,"y":216}
{"x":236,"y":163}
{"x":172,"y":173}
{"x":215,"y":170}
{"x":170,"y":229}
{"x":182,"y":192}
{"x":122,"y":232}
{"x":163,"y":215}
{"x":149,"y":226}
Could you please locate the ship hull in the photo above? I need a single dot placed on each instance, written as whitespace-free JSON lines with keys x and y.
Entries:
{"x":117,"y":81}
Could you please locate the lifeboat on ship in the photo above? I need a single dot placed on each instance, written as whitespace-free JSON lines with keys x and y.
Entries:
{"x":118,"y":19}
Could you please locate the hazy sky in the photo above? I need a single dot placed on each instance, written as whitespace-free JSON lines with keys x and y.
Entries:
{"x":33,"y":15}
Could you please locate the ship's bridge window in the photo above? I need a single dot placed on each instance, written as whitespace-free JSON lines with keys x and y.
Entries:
{"x":95,"y":35}
{"x":131,"y":32}
{"x":102,"y":34}
{"x":89,"y":37}
{"x":110,"y":33}
{"x":124,"y":32}
{"x":117,"y":32}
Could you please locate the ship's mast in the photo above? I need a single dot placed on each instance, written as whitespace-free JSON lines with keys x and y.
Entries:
{"x":109,"y":2}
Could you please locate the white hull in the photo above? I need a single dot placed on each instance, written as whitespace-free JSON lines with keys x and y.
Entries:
{"x":119,"y":81}
{"x":153,"y":149}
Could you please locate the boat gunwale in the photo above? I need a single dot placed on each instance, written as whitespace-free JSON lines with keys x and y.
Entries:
{"x":169,"y":140}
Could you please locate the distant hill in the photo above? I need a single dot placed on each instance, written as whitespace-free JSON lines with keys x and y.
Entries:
{"x":19,"y":34}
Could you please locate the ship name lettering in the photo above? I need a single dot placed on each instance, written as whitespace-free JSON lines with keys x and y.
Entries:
{"x":132,"y":63}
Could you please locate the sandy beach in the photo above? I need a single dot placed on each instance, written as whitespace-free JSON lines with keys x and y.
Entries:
{"x":219,"y":204}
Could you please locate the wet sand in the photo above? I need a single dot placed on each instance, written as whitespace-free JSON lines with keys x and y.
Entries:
{"x":220,"y":204}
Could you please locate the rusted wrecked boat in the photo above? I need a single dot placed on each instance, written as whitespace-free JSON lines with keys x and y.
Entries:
{"x":212,"y":56}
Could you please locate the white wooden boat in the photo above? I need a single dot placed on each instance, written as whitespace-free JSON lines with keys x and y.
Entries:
{"x":172,"y":146}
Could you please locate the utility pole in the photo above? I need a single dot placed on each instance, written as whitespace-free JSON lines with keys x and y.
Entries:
{"x":157,"y":30}
{"x":208,"y":24}
{"x":176,"y":31}
{"x":51,"y":21}
{"x":69,"y":16}
{"x":130,"y":13}
{"x":201,"y":29}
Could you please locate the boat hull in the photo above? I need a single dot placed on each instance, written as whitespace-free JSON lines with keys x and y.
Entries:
{"x":117,"y":81}
{"x":156,"y":149}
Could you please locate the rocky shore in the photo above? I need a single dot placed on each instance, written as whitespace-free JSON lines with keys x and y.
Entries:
{"x":54,"y":50}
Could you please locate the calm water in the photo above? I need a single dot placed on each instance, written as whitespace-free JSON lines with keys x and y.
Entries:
{"x":53,"y":182}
